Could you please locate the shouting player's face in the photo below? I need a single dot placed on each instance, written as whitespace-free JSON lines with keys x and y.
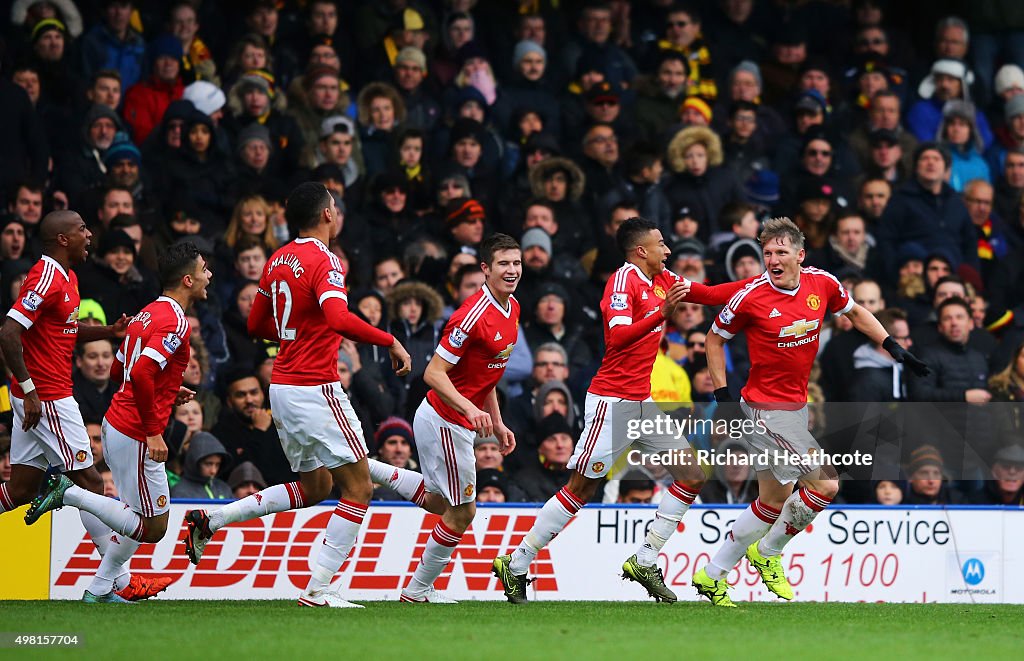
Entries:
{"x":654,"y":252}
{"x":503,"y":273}
{"x":782,"y":261}
{"x":79,"y":238}
{"x":201,"y":276}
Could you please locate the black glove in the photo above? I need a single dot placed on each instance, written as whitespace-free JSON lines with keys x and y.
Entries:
{"x":901,"y":355}
{"x":722,"y":395}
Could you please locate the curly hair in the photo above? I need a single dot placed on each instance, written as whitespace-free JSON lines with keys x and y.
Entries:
{"x":377,"y":90}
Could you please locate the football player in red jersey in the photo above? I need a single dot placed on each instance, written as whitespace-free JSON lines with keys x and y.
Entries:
{"x":152,"y":359}
{"x":37,"y":340}
{"x":782,"y":312}
{"x":637,"y":300}
{"x":462,"y":404}
{"x":303,"y":304}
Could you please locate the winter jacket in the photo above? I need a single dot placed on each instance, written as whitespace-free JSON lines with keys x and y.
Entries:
{"x":935,"y":222}
{"x":116,"y":294}
{"x":21,"y":134}
{"x":192,"y":484}
{"x":956,"y":368}
{"x":260,"y":446}
{"x":876,"y":377}
{"x":968,"y":165}
{"x":100,"y":49}
{"x":704,"y":195}
{"x":146,"y":103}
{"x":420,"y":340}
{"x":539,"y":483}
{"x":925,"y":118}
{"x":81,"y":166}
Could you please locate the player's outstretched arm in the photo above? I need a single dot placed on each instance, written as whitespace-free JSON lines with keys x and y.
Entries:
{"x":343,"y":321}
{"x":715,"y":294}
{"x":14,"y":356}
{"x":436,"y":376}
{"x":623,"y":335}
{"x":114,"y":331}
{"x":866,"y":323}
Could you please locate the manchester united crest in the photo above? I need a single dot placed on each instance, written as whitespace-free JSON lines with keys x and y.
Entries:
{"x":468,"y":491}
{"x":659,"y":291}
{"x":814,"y":301}
{"x":80,"y":456}
{"x":161,"y":501}
{"x":598,"y":466}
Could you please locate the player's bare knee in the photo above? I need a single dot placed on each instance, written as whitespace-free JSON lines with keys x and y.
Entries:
{"x":827,"y":488}
{"x":434,"y":503}
{"x":358,"y":491}
{"x":581,"y":486}
{"x":459,"y":518}
{"x":154,"y":529}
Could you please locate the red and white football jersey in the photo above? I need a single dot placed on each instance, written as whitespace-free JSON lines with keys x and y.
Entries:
{"x":160,"y":332}
{"x":478,"y":340}
{"x":782,"y":330}
{"x":629,"y":297}
{"x":47,"y":306}
{"x":298,"y":278}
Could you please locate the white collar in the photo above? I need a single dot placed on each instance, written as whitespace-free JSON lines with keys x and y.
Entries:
{"x":56,"y":264}
{"x":787,"y":292}
{"x":495,"y":303}
{"x":174,"y":304}
{"x":640,"y":273}
{"x":307,"y":239}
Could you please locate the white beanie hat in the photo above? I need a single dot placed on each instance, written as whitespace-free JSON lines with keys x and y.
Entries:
{"x":1008,"y":77}
{"x":205,"y":96}
{"x":949,"y":67}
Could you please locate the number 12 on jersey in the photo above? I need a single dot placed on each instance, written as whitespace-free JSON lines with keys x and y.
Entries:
{"x":283,"y":312}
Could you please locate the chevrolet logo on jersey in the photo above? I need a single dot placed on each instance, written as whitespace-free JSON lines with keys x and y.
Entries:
{"x":505,"y":353}
{"x":799,"y":328}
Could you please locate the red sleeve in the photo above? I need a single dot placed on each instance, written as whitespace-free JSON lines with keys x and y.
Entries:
{"x":351,"y":326}
{"x":623,"y":335}
{"x":261,"y":318}
{"x":453,"y":339}
{"x":143,"y":376}
{"x":716,"y":294}
{"x":32,"y":298}
{"x":839,"y":302}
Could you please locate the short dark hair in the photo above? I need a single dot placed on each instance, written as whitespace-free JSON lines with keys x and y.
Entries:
{"x":248,"y":242}
{"x":632,"y":232}
{"x":493,"y":244}
{"x":641,"y":156}
{"x":31,"y":185}
{"x":953,"y":300}
{"x":629,"y":204}
{"x":463,"y":271}
{"x":123,"y":220}
{"x":888,"y":318}
{"x":737,"y":106}
{"x":176,"y":262}
{"x":304,"y":204}
{"x":733,"y":214}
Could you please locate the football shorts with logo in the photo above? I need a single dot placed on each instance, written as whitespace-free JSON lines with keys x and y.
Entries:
{"x":784,"y":434}
{"x":59,"y":440}
{"x":446,"y":455}
{"x":141,"y":482}
{"x":604,"y":439}
{"x":317,"y":426}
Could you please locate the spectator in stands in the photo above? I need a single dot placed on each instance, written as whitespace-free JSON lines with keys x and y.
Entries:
{"x":876,"y":376}
{"x":928,"y":212}
{"x":147,"y":101}
{"x":889,"y":492}
{"x":700,"y":183}
{"x":734,"y":482}
{"x":992,"y":232}
{"x":745,"y":84}
{"x":635,"y":488}
{"x":26,"y":203}
{"x":545,"y":473}
{"x":205,"y":459}
{"x":190,"y":414}
{"x":491,"y":486}
{"x":487,"y":453}
{"x":1009,"y":189}
{"x":959,"y":373}
{"x":113,"y":278}
{"x":601,"y":164}
{"x":883,"y":114}
{"x":198,"y":171}
{"x":949,"y":80}
{"x":593,"y":38}
{"x":872,"y":199}
{"x":318,"y":97}
{"x":93,"y":389}
{"x":549,"y":321}
{"x":255,"y":98}
{"x":381,"y":110}
{"x":927,"y":482}
{"x":959,"y":133}
{"x":415,"y":312}
{"x":529,"y":87}
{"x":1006,"y":486}
{"x":659,"y":98}
{"x":80,"y":165}
{"x":12,"y":238}
{"x":114,"y":43}
{"x":246,"y":480}
{"x":560,"y":183}
{"x":246,"y":428}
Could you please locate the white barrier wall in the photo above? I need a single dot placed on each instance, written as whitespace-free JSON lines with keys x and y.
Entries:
{"x":849,"y":554}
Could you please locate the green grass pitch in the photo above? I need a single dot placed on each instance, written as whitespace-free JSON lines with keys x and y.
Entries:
{"x":584,"y":630}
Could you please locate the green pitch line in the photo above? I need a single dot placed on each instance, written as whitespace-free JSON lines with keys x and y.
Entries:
{"x":592,"y":630}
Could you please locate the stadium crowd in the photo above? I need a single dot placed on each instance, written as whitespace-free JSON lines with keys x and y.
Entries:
{"x":892,"y":133}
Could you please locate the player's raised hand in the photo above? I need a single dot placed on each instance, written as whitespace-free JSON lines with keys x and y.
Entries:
{"x":481,"y":422}
{"x":157,"y":447}
{"x":33,"y":411}
{"x":120,"y":327}
{"x":675,"y":295}
{"x":401,"y":361}
{"x":184,"y":395}
{"x":506,"y":439}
